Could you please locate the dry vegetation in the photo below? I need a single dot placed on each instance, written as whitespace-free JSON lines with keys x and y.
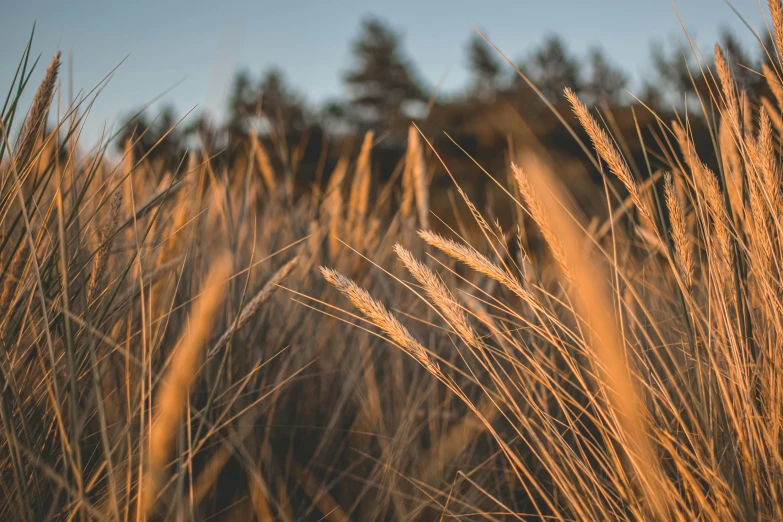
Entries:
{"x":174,"y":345}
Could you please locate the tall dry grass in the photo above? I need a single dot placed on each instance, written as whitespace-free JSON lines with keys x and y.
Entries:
{"x":549,"y":368}
{"x":643,"y":383}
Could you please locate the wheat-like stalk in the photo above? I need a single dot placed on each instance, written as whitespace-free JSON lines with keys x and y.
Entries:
{"x":478,"y":262}
{"x":38,"y":110}
{"x":254,"y":305}
{"x":381,"y":317}
{"x":747,"y":112}
{"x":686,"y":146}
{"x":682,"y":245}
{"x":106,"y":237}
{"x":767,"y":157}
{"x":763,"y":189}
{"x":728,"y":147}
{"x":776,"y":13}
{"x":729,"y":89}
{"x":707,"y":184}
{"x":440,"y":295}
{"x":774,"y":113}
{"x":539,"y":215}
{"x":605,"y":345}
{"x":608,"y":151}
{"x":15,"y":273}
{"x":175,"y":236}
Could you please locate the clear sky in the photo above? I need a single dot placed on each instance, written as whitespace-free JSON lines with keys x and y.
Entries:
{"x":198,"y":44}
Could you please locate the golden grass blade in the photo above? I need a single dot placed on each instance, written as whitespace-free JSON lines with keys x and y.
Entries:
{"x":408,"y":196}
{"x":360,"y":189}
{"x":595,"y":310}
{"x":264,"y":164}
{"x":332,"y":205}
{"x":172,"y":397}
{"x":418,"y":179}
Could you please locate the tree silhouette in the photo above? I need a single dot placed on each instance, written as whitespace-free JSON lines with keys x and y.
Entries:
{"x":268,"y":104}
{"x":382,"y":82}
{"x":552,"y":68}
{"x":280,"y":105}
{"x":742,"y":65}
{"x":681,"y":73}
{"x":159,"y":138}
{"x":651,"y":94}
{"x":484,"y":67}
{"x":242,"y":102}
{"x":673,"y":70}
{"x":607,"y":82}
{"x":203,"y":134}
{"x":334,"y":115}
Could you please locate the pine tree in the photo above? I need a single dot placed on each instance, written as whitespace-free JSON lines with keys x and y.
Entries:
{"x":382,"y":82}
{"x":484,"y":67}
{"x":607,"y":82}
{"x":552,"y":68}
{"x":280,"y":105}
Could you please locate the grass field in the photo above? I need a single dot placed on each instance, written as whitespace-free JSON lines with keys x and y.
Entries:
{"x":213,"y":343}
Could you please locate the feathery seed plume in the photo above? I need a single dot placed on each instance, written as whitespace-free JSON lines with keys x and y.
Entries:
{"x":475,"y":260}
{"x":440,"y":295}
{"x":608,"y":151}
{"x":776,"y":13}
{"x":539,"y":215}
{"x":254,"y":305}
{"x":679,"y":231}
{"x":106,"y":238}
{"x":381,"y":317}
{"x":40,"y":106}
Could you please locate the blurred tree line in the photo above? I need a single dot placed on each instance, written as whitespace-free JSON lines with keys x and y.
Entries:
{"x":384,"y":93}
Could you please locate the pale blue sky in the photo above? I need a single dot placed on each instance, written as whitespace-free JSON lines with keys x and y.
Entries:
{"x":201,"y":43}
